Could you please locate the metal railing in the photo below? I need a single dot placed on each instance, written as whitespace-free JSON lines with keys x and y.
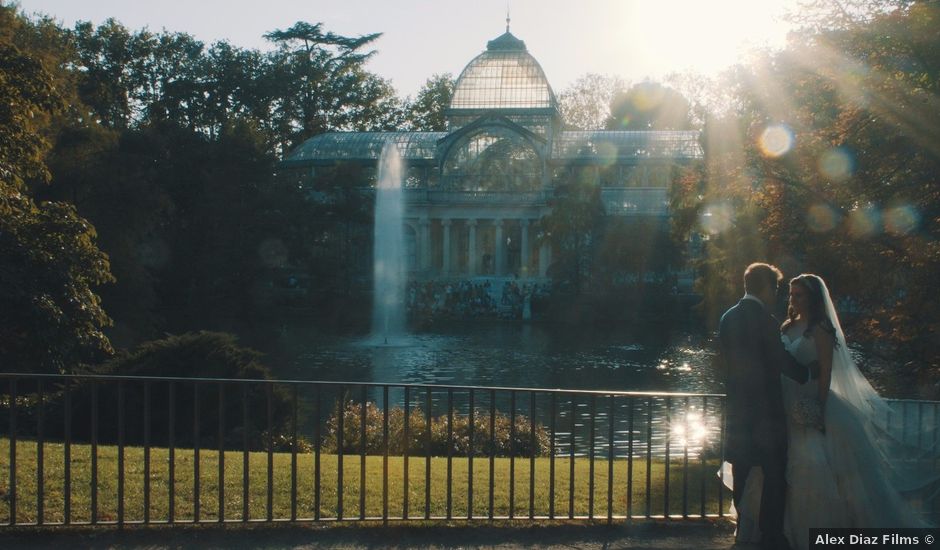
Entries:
{"x":122,"y":450}
{"x":916,"y":423}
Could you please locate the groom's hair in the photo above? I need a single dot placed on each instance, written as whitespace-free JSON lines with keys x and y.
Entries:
{"x":759,"y":276}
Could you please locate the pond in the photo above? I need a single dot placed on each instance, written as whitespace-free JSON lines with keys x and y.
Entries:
{"x":518,"y":355}
{"x":511,"y":355}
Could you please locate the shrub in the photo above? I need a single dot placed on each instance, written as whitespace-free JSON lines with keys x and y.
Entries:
{"x":501,"y":444}
{"x":191,"y":355}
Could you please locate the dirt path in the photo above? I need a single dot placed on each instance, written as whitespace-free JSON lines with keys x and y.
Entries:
{"x":646,"y":535}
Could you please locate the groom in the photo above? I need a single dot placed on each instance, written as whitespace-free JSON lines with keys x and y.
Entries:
{"x":756,"y":433}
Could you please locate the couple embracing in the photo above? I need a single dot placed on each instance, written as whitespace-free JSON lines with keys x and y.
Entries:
{"x":805,"y":436}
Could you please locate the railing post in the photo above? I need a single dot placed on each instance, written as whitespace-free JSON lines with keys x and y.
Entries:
{"x":246,"y":429}
{"x":146,"y":452}
{"x":171,"y":405}
{"x":340,"y":443}
{"x":268,"y":391}
{"x":12,"y":489}
{"x":571,"y":454}
{"x":363,"y":417}
{"x":120,"y":488}
{"x":492,"y":450}
{"x":666,"y":462}
{"x":631,"y":404}
{"x":40,"y":470}
{"x":532,"y":453}
{"x":470,"y":458}
{"x":407,"y":452}
{"x":221,"y":452}
{"x":427,"y":457}
{"x":94,"y":452}
{"x":384,"y":454}
{"x":450,"y":452}
{"x":593,"y":415}
{"x":318,"y":401}
{"x":293,"y":454}
{"x":610,"y":462}
{"x":196,"y":484}
{"x":67,"y":488}
{"x":512,"y":454}
{"x":551,"y":458}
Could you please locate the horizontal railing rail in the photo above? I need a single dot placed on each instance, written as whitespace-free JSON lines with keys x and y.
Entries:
{"x":116,"y":450}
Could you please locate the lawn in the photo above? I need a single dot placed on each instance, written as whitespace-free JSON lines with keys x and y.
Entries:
{"x":685,"y":489}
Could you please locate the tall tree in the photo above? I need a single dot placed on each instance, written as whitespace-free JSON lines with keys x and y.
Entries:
{"x":325,"y":86}
{"x":585,"y":105}
{"x":828,"y":166}
{"x":649,"y":106}
{"x":426,"y":112}
{"x":50,"y":318}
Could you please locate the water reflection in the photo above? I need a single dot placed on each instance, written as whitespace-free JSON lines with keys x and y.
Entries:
{"x":506,"y":354}
{"x":527,"y":356}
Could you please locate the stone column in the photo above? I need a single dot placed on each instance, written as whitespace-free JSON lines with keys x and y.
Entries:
{"x":425,"y":246}
{"x":500,"y":249}
{"x":545,"y":259}
{"x":472,"y":247}
{"x":445,"y":264}
{"x":524,"y":252}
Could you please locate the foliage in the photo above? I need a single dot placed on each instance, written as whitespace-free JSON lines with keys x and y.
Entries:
{"x":426,"y":112}
{"x":50,"y":318}
{"x":572,"y":227}
{"x":585,"y":104}
{"x":649,"y":106}
{"x":828,"y":165}
{"x":191,"y":355}
{"x":460,"y":444}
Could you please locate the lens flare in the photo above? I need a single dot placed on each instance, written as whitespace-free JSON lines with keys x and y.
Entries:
{"x":716,"y":218}
{"x":901,"y":220}
{"x":775,"y":141}
{"x":821,"y":218}
{"x":864,"y":222}
{"x":836,"y":164}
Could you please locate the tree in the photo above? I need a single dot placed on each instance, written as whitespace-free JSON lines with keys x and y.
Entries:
{"x":323,"y":85}
{"x":649,"y":106}
{"x":585,"y":105}
{"x":50,"y":319}
{"x":572,"y":227}
{"x":827,"y":167}
{"x":426,"y":112}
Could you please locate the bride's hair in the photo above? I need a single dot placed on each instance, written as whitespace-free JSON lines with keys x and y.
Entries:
{"x":817,"y":306}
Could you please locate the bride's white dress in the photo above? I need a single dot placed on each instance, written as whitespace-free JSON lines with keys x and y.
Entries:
{"x":835,"y":479}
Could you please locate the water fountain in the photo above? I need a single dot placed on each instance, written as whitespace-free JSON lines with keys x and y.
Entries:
{"x":388,"y":303}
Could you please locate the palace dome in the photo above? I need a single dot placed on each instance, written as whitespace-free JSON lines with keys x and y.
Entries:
{"x":505,"y":76}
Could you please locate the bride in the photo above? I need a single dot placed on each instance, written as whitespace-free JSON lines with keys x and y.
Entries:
{"x":844,"y":468}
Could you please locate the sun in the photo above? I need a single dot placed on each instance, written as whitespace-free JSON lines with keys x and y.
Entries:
{"x":702,"y":36}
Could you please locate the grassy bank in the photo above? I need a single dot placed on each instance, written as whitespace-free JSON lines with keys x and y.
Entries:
{"x":694,"y":478}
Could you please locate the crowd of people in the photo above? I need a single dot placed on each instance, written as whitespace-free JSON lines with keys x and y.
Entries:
{"x":467,"y":299}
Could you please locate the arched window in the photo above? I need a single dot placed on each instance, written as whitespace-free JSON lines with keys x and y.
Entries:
{"x":495,"y":159}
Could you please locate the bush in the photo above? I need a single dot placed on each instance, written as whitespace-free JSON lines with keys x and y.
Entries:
{"x":461,"y":444}
{"x":191,"y":355}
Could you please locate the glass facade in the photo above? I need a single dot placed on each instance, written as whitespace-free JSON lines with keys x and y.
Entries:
{"x":364,"y":146}
{"x":503,"y":80}
{"x":474,"y":195}
{"x":496,"y":159}
{"x":504,"y":145}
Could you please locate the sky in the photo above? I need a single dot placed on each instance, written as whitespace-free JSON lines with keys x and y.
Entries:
{"x":632,"y":39}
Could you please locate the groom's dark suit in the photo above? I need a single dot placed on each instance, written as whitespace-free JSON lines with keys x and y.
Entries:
{"x":756,"y":432}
